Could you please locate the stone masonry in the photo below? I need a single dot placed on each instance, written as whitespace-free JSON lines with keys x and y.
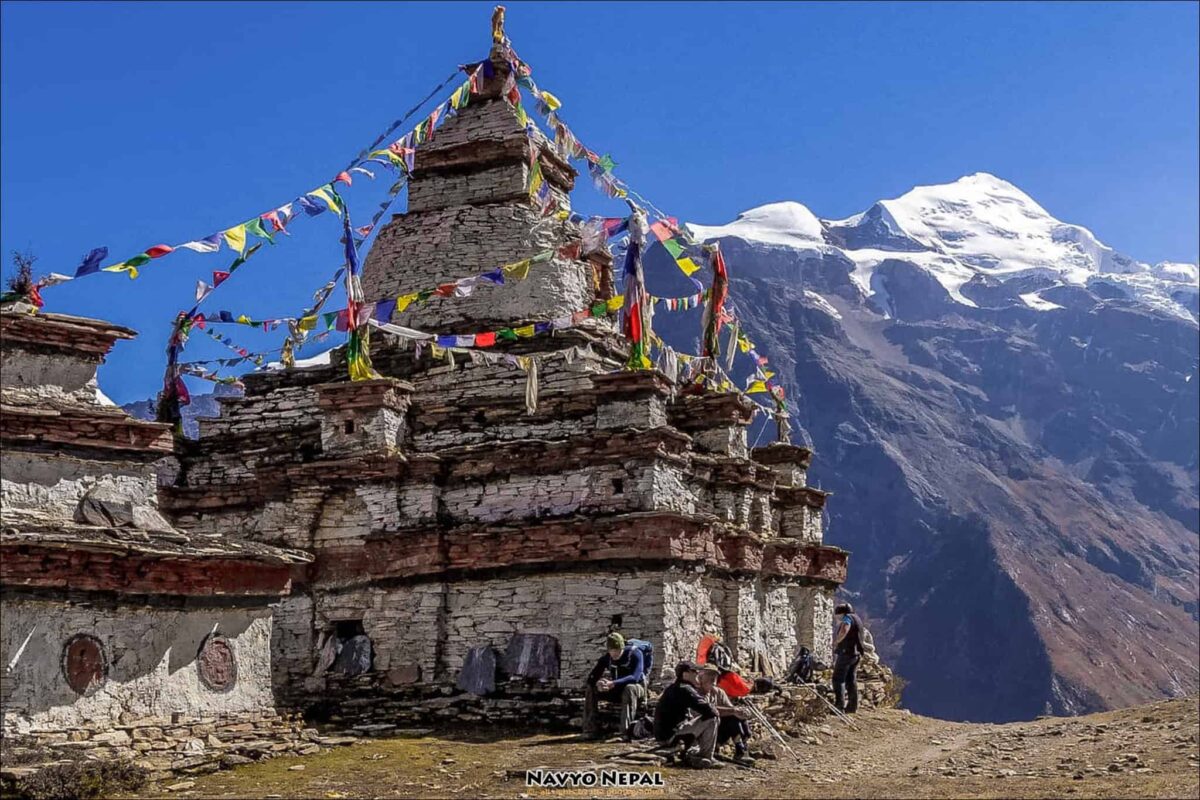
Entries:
{"x":110,"y":615}
{"x":444,"y":518}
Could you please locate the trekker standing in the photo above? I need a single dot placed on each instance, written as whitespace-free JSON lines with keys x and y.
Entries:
{"x":847,"y":648}
{"x":618,"y":677}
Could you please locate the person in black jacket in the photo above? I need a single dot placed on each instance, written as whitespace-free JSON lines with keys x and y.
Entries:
{"x":847,"y":648}
{"x":619,"y":676}
{"x":681,"y":711}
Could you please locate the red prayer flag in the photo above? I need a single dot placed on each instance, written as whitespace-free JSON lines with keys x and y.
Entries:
{"x":343,"y":177}
{"x":219,"y":278}
{"x":485,"y":339}
{"x":445,"y":290}
{"x":660,"y":230}
{"x":159,"y":250}
{"x":273,"y":218}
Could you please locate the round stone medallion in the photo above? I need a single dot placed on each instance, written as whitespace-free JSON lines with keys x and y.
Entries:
{"x":217,"y":664}
{"x":83,"y":664}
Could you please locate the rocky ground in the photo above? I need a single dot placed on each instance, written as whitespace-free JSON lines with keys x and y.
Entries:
{"x":1148,"y":751}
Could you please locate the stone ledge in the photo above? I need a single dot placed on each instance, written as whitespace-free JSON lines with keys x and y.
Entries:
{"x":639,"y":538}
{"x":62,"y":333}
{"x":806,"y":495}
{"x":783,"y":454}
{"x":98,"y":428}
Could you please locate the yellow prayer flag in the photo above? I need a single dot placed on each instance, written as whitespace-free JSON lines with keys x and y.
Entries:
{"x":552,"y":102}
{"x":244,"y":320}
{"x":615,"y":303}
{"x":756,"y":387}
{"x":687,"y":265}
{"x":235,"y":237}
{"x":308,"y":323}
{"x":328,"y":200}
{"x":405,"y":300}
{"x":518,"y":271}
{"x":124,"y":266}
{"x":766,"y":373}
{"x":525,"y":331}
{"x":743,"y":344}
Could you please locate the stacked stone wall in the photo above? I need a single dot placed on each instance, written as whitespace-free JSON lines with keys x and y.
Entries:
{"x":150,"y":662}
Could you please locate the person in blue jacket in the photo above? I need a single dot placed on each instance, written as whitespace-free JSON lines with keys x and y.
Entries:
{"x":619,"y":677}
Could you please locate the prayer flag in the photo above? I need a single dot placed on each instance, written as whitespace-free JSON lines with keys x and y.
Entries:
{"x":329,"y":319}
{"x":307,"y":323}
{"x":201,"y":290}
{"x":552,"y":102}
{"x":445,"y":341}
{"x":495,"y":276}
{"x":219,"y":277}
{"x":129,"y":266}
{"x":91,"y":262}
{"x":310,"y":207}
{"x":384,"y":310}
{"x":209,"y":244}
{"x":235,"y":237}
{"x":485,"y":339}
{"x":323,"y":193}
{"x":518,"y":271}
{"x":404,"y":301}
{"x":343,"y":177}
{"x":159,"y":250}
{"x":615,"y":303}
{"x":661,"y":231}
{"x":467,"y":340}
{"x":273,"y":218}
{"x":687,"y":266}
{"x":673,"y":247}
{"x":255,"y":226}
{"x":524,"y":331}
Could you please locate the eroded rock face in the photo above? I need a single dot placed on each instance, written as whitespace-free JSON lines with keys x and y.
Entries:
{"x":1024,"y":477}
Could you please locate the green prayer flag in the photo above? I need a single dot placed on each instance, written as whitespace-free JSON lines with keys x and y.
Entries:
{"x":606,"y":163}
{"x":137,"y":261}
{"x":599,"y":309}
{"x":255,"y":226}
{"x":673,"y":247}
{"x":507,"y":334}
{"x":242,"y":259}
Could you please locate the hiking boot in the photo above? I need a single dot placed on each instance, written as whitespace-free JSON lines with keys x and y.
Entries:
{"x":740,"y":756}
{"x":697,"y":762}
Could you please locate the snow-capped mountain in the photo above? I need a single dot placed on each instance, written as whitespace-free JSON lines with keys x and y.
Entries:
{"x":1008,"y":413}
{"x":967,"y":234}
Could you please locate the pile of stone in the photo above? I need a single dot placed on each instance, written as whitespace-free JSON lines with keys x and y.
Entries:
{"x":795,"y":710}
{"x":166,"y":747}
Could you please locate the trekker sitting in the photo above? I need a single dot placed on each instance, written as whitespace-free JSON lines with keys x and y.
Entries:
{"x":682,"y":712}
{"x":619,"y":676}
{"x":801,"y":670}
{"x":732,"y":726}
{"x":847,"y":647}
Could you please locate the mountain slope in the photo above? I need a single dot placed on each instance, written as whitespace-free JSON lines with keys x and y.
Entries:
{"x":1006,"y":411}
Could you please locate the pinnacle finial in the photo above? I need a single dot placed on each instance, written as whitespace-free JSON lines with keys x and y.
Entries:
{"x":498,"y":24}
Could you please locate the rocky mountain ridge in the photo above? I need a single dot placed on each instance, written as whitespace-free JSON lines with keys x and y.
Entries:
{"x":1006,"y":411}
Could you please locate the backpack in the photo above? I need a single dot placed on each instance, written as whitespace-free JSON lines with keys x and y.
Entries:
{"x":719,"y":655}
{"x":647,"y":654}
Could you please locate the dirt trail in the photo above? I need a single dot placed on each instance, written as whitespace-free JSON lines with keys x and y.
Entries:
{"x":1149,"y":751}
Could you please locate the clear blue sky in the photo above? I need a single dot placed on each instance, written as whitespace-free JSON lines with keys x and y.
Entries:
{"x":127,"y":125}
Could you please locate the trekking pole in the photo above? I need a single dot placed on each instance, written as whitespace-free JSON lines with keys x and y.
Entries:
{"x":832,"y":707}
{"x":761,"y":718}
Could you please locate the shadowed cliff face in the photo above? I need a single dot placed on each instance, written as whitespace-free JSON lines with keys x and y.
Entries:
{"x":1018,"y":487}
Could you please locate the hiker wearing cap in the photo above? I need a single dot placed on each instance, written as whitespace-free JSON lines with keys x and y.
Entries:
{"x":732,"y":726}
{"x":682,"y":712}
{"x":619,"y":677}
{"x":847,"y":648}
